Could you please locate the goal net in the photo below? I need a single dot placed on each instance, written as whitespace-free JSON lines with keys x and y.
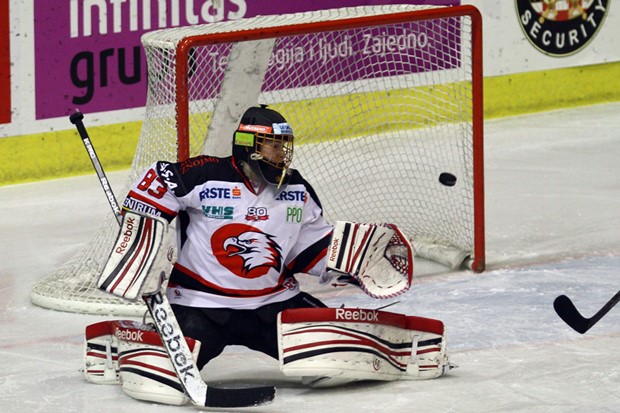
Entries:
{"x":382,"y":101}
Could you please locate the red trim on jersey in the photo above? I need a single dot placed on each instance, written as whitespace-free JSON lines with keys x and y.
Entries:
{"x":229,"y":291}
{"x":149,"y":201}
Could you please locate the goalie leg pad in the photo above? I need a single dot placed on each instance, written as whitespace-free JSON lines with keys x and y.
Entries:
{"x":101,"y":354}
{"x":329,"y":347}
{"x":143,"y":367}
{"x":429,"y":359}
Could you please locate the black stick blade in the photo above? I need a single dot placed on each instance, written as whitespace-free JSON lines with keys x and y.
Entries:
{"x":567,"y":311}
{"x":239,"y":397}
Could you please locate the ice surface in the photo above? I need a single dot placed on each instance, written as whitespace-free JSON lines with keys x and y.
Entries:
{"x":553,"y":227}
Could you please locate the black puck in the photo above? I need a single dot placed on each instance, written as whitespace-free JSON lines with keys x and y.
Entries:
{"x":447,"y":179}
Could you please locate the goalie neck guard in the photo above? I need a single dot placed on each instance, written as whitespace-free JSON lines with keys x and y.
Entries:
{"x":264,"y":141}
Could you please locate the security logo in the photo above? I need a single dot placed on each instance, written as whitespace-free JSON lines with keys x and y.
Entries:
{"x":561,"y":27}
{"x":246,"y":251}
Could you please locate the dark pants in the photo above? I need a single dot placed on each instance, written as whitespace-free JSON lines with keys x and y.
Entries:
{"x":256,"y":329}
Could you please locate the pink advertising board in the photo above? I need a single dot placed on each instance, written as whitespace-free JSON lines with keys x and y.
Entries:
{"x":88,"y":53}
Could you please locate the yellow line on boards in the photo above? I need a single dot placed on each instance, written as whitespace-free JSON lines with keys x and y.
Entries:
{"x":59,"y":154}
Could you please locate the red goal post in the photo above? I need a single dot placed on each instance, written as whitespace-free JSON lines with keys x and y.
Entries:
{"x":392,"y":17}
{"x":382,"y":100}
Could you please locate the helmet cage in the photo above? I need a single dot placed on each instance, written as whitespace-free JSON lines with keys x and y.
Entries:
{"x":274,"y":150}
{"x":264,"y":140}
{"x":268,"y":154}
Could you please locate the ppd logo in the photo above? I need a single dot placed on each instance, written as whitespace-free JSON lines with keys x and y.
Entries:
{"x":294,"y":215}
{"x":561,"y":27}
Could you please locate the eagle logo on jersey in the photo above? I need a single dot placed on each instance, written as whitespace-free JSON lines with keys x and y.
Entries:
{"x":246,"y":251}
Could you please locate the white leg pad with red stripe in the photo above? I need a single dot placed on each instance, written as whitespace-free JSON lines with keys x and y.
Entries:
{"x":132,"y":354}
{"x":334,"y":346}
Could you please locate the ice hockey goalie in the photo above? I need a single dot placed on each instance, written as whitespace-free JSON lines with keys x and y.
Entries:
{"x":321,"y":346}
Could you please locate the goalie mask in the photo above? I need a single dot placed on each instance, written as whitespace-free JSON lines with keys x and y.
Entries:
{"x":264,"y":140}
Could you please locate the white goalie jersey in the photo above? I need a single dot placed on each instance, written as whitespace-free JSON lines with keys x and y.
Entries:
{"x":238,"y":247}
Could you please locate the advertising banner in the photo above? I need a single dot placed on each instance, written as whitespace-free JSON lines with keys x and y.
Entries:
{"x":88,"y":52}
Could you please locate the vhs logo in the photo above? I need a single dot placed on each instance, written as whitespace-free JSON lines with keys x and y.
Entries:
{"x":218,"y":212}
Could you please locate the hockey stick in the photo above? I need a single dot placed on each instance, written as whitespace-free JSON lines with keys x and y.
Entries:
{"x":76,"y":119}
{"x":569,"y":313}
{"x":168,"y":327}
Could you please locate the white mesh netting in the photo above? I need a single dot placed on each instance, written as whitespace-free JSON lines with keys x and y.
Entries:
{"x":379,"y":106}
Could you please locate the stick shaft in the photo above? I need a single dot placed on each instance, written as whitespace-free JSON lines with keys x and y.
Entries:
{"x":76,"y":119}
{"x":608,"y":306}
